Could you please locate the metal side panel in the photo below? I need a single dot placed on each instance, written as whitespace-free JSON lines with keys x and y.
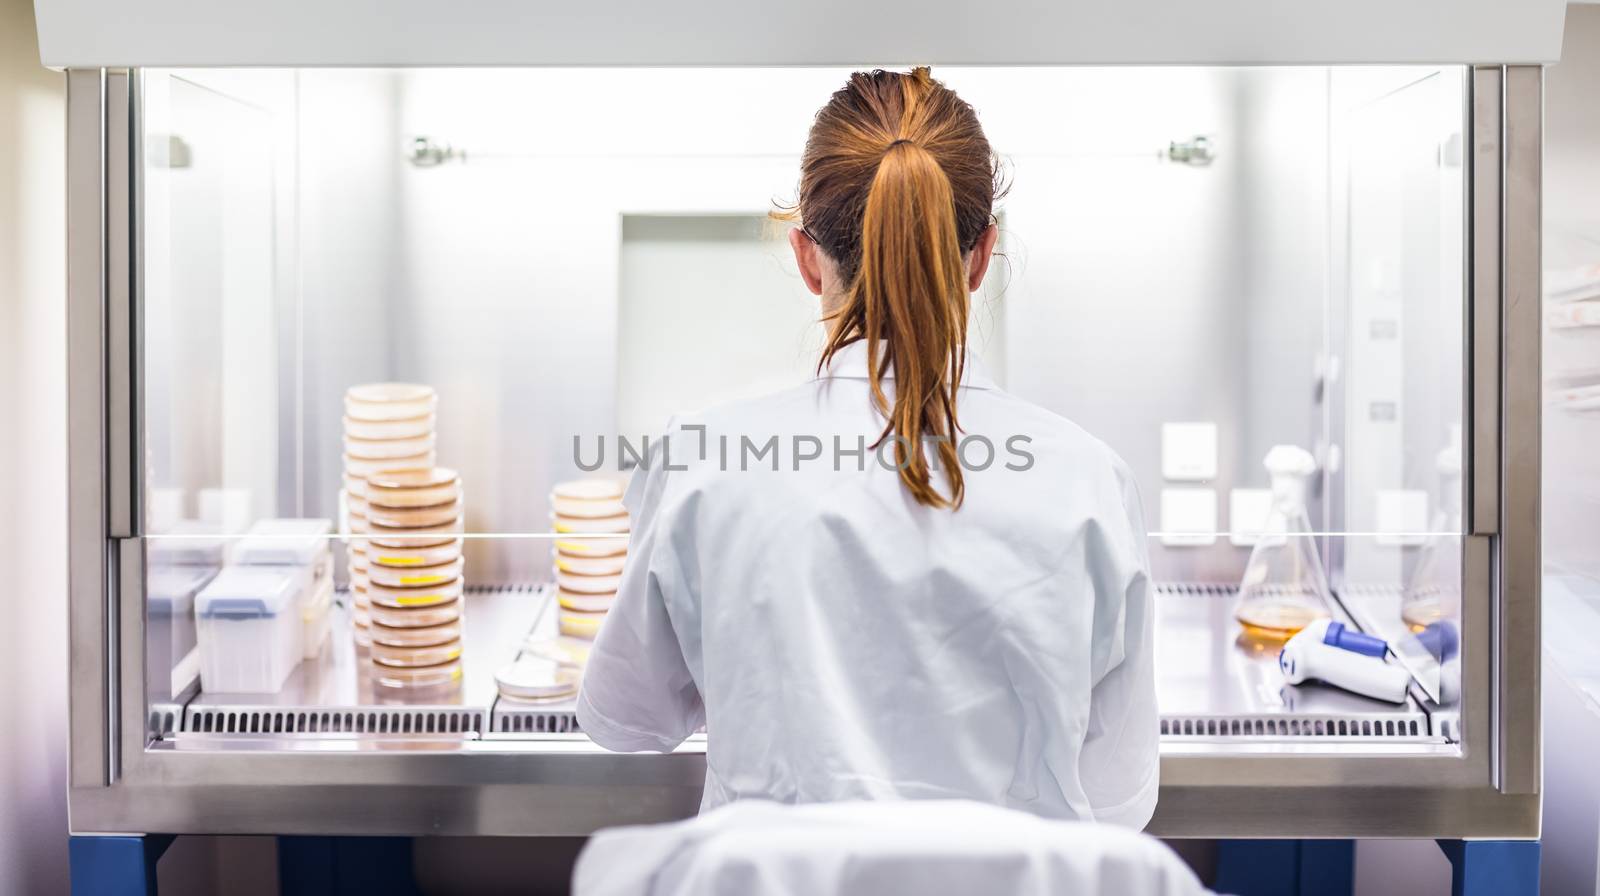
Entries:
{"x":1517,"y":625}
{"x":90,"y":688}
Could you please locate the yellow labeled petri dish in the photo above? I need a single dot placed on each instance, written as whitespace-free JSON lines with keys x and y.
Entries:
{"x":414,"y":488}
{"x":417,"y":677}
{"x":566,"y":651}
{"x":585,"y":602}
{"x":605,"y":525}
{"x":597,"y":546}
{"x":588,"y":584}
{"x":407,"y":428}
{"x":424,"y":596}
{"x":416,"y":617}
{"x":581,"y":508}
{"x":579,"y":624}
{"x":380,"y":402}
{"x":415,"y":576}
{"x":419,"y":537}
{"x":364,"y":466}
{"x":416,"y":636}
{"x":431,"y":655}
{"x":409,"y":557}
{"x":385,"y":449}
{"x":536,"y":678}
{"x":588,"y":566}
{"x":413,"y":517}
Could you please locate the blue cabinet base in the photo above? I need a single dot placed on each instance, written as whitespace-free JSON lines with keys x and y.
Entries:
{"x":1327,"y":867}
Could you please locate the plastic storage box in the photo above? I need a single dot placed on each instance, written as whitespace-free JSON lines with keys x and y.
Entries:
{"x":250,"y":628}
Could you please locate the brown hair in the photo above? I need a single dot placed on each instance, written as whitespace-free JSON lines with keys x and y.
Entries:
{"x":897,"y":184}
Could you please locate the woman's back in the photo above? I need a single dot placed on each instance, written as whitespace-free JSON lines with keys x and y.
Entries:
{"x":846,"y":642}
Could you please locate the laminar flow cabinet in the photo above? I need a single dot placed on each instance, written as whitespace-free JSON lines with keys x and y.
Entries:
{"x":1263,"y":245}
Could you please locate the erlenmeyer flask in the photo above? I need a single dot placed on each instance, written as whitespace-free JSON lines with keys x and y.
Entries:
{"x":1284,"y":588}
{"x":1433,"y":592}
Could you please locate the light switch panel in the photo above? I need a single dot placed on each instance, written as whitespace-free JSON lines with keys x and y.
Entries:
{"x":1189,"y":451}
{"x":1188,"y":517}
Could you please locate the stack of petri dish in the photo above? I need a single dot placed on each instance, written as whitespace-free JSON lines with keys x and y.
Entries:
{"x":415,"y":576}
{"x":387,"y":427}
{"x":591,"y":545}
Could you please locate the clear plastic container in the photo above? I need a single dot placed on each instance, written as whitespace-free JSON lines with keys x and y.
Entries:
{"x":316,"y":618}
{"x":383,"y":402}
{"x":410,"y":428}
{"x":400,"y":598}
{"x":423,"y":577}
{"x":1284,"y":587}
{"x":588,"y":566}
{"x":407,"y":557}
{"x":416,"y":617}
{"x":414,"y":488}
{"x":250,"y":628}
{"x":597,"y":602}
{"x":414,"y":517}
{"x":171,"y":593}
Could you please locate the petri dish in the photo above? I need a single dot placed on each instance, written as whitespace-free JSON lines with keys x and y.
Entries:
{"x":605,"y":525}
{"x":579,"y":624}
{"x":416,"y":617}
{"x":597,"y":546}
{"x":408,"y":428}
{"x":427,"y":596}
{"x":380,"y":402}
{"x":384,"y":449}
{"x":588,"y":584}
{"x":431,"y":655}
{"x":588,"y":566}
{"x":355,"y":486}
{"x":415,"y":488}
{"x":426,"y":556}
{"x":585,"y":603}
{"x":419,"y":537}
{"x":417,"y":677}
{"x":581,"y":508}
{"x":588,"y":490}
{"x":364,"y":467}
{"x":415,"y":576}
{"x":413,"y":517}
{"x":416,"y":636}
{"x":537,"y":678}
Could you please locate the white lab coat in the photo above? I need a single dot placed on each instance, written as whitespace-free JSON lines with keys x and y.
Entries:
{"x":838,"y":641}
{"x":932,"y":848}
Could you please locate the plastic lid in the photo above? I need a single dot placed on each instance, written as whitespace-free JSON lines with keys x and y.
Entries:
{"x":172,"y":589}
{"x":414,"y":517}
{"x":417,"y":677}
{"x":431,"y":655}
{"x":537,"y":678}
{"x":251,"y":592}
{"x":588,"y":489}
{"x":408,"y":557}
{"x":389,"y":392}
{"x":359,"y":466}
{"x":404,"y":479}
{"x":189,"y":543}
{"x":375,"y":402}
{"x":415,"y":576}
{"x":383,"y":449}
{"x":598,"y":546}
{"x":284,"y":542}
{"x":406,"y":428}
{"x":607,"y":525}
{"x":420,"y":537}
{"x":382,"y":492}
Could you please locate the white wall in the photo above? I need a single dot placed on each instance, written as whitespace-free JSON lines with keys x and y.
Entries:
{"x":33,"y":667}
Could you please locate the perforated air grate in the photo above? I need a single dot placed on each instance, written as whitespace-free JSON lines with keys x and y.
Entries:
{"x":1389,"y":727}
{"x":509,"y":719}
{"x":1197,"y":589}
{"x":321,"y":720}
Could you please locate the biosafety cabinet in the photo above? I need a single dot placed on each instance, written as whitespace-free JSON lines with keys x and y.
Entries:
{"x":1225,"y":231}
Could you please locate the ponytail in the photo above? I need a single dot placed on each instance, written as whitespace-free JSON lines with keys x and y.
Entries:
{"x":912,"y":292}
{"x":897,"y":184}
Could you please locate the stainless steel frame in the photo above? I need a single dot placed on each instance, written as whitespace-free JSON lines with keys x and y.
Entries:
{"x":562,"y":784}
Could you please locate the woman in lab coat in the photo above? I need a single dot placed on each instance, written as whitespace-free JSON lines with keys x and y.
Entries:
{"x":851,"y":619}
